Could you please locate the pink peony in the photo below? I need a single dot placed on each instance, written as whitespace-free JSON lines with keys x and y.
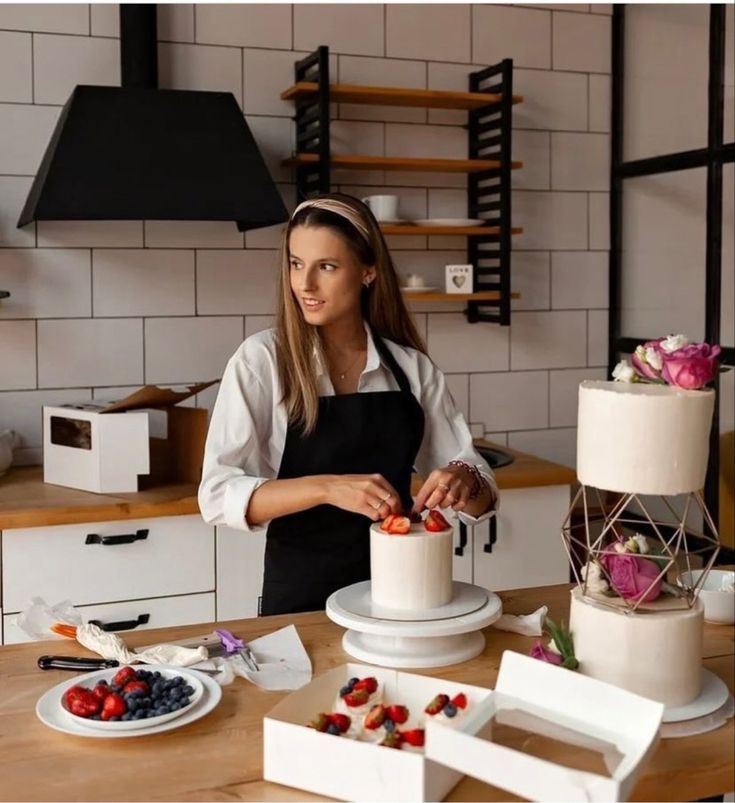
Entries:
{"x":691,"y":367}
{"x":539,"y":651}
{"x":632,"y":577}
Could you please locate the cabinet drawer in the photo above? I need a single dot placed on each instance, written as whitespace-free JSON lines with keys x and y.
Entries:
{"x":164,"y":612}
{"x":171,"y":555}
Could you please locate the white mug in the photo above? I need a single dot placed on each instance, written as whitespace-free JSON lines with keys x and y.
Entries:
{"x":384,"y":207}
{"x":414,"y":280}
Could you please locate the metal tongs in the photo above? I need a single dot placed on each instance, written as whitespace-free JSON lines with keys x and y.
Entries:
{"x":232,"y":645}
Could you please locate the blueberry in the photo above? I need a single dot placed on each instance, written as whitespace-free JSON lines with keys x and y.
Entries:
{"x":175,"y":706}
{"x":389,"y":725}
{"x":333,"y":729}
{"x":164,"y":709}
{"x":184,"y":701}
{"x":150,"y":713}
{"x":179,"y":681}
{"x":127,"y":716}
{"x":102,"y":683}
{"x":450,"y":710}
{"x":114,"y":719}
{"x":146,"y":701}
{"x":140,"y":714}
{"x":352,"y":682}
{"x":188,"y":690}
{"x":345,"y":690}
{"x":156,"y":674}
{"x":96,"y":716}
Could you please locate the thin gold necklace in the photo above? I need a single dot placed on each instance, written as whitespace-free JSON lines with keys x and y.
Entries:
{"x":344,"y":373}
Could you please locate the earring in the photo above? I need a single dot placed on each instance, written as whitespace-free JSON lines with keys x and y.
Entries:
{"x":367,"y":284}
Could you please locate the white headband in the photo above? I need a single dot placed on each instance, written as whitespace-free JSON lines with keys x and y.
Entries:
{"x":339,"y":208}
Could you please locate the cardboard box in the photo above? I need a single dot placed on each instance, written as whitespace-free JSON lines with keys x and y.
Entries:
{"x":545,"y":733}
{"x":104,"y":446}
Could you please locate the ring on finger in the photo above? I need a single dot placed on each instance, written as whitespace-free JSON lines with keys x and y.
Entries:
{"x":386,"y":497}
{"x":443,"y":485}
{"x":376,"y":506}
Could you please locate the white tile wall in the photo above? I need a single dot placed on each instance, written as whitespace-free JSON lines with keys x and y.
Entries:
{"x":345,"y":27}
{"x":62,"y":62}
{"x":548,"y":340}
{"x":190,"y":288}
{"x":237,"y":282}
{"x":454,"y":346}
{"x":189,"y":349}
{"x":563,"y":391}
{"x":21,"y":410}
{"x":17,"y":354}
{"x":517,"y":400}
{"x":243,"y":24}
{"x":85,"y":352}
{"x":442,"y":29}
{"x":13,"y":193}
{"x":16,"y":85}
{"x":579,"y":279}
{"x":557,"y":445}
{"x":45,"y":283}
{"x":581,"y":42}
{"x":133,"y":282}
{"x":500,"y":32}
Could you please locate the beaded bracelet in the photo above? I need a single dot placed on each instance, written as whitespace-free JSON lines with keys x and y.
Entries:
{"x":479,"y":484}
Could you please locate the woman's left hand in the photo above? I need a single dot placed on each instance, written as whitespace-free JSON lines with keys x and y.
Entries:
{"x":445,"y":487}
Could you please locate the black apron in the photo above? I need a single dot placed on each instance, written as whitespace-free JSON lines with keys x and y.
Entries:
{"x":311,"y":554}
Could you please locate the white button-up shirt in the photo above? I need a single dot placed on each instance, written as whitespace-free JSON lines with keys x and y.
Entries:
{"x":247,"y":433}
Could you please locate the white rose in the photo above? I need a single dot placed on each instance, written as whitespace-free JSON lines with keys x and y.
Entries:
{"x":653,"y":358}
{"x":642,"y":543}
{"x":620,"y":548}
{"x":592,"y":574}
{"x":674,"y":342}
{"x":623,"y":372}
{"x":552,"y":647}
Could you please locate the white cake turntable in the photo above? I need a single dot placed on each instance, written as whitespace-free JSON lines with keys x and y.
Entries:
{"x":414,"y":639}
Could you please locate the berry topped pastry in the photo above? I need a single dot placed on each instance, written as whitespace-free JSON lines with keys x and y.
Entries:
{"x":358,"y":696}
{"x":446,"y":709}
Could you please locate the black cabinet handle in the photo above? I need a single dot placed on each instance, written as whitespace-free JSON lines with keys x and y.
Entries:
{"x":459,"y":550}
{"x":111,"y":540}
{"x":130,"y":624}
{"x":493,"y":534}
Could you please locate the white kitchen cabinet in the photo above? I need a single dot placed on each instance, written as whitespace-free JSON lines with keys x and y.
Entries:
{"x":462,"y":559}
{"x":528,"y":549}
{"x":239,"y":573}
{"x":146,"y":613}
{"x":107,"y":561}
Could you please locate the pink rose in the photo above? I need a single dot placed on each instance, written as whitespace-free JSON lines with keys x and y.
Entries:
{"x":691,"y":367}
{"x":632,"y":577}
{"x":539,"y":651}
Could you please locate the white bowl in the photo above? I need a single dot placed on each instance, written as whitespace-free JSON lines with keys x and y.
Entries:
{"x":719,"y":605}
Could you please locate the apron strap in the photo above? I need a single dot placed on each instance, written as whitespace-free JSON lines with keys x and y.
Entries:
{"x":391,"y":362}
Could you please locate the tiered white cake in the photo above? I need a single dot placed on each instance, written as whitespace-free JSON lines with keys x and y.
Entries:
{"x":411,"y":572}
{"x":642,"y":439}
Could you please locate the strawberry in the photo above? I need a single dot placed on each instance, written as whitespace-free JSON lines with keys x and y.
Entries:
{"x":385,"y":524}
{"x":435,"y":522}
{"x":122,"y":676}
{"x":436,"y":705}
{"x":414,"y":737}
{"x":356,"y":698}
{"x":415,"y":517}
{"x":101,"y":690}
{"x":369,"y":684}
{"x":137,"y":685}
{"x":319,"y":723}
{"x":400,"y":525}
{"x":84,"y":703}
{"x":397,"y":713}
{"x":392,"y":739}
{"x":72,"y":693}
{"x":342,"y":721}
{"x":460,"y":700}
{"x":113,"y":706}
{"x":375,"y":717}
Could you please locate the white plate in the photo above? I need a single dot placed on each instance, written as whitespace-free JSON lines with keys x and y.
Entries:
{"x":423,"y":289}
{"x":397,"y":221}
{"x":450,"y":221}
{"x":51,"y":712}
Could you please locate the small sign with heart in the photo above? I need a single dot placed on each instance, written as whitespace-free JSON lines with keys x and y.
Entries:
{"x":458,"y":278}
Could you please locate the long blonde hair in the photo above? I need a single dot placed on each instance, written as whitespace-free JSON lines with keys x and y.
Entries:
{"x":382,"y":304}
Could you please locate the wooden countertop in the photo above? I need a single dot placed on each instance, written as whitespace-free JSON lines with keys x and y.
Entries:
{"x":220,"y":756}
{"x":26,"y":501}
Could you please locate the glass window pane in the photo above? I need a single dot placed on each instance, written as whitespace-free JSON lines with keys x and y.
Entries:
{"x":663,"y":259}
{"x":727,"y":313}
{"x":666,"y":77}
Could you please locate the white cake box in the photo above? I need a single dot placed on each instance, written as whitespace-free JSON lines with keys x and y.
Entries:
{"x":103,"y":446}
{"x":538,"y":697}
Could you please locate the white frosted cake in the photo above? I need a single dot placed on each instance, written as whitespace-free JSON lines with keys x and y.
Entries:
{"x":643,"y":439}
{"x":411,"y":572}
{"x":655,"y":654}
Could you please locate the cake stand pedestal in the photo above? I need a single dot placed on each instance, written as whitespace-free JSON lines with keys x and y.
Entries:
{"x":440,"y":637}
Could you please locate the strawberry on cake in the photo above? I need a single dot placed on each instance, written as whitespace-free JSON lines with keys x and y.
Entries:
{"x":444,"y":709}
{"x":358,"y":696}
{"x":411,"y":562}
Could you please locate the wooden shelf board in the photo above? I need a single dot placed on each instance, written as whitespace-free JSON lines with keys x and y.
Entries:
{"x":397,"y":96}
{"x":454,"y":231}
{"x":359,"y":162}
{"x":485,"y":295}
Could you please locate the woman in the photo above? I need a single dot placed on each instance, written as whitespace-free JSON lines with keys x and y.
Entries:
{"x":319,"y":422}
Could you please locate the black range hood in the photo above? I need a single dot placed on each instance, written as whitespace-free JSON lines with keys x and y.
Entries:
{"x":137,"y":152}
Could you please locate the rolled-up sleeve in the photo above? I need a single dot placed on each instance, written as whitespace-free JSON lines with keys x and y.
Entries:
{"x":233,"y":464}
{"x":446,"y":434}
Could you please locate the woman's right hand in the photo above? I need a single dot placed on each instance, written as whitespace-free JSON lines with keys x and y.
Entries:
{"x":368,"y":494}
